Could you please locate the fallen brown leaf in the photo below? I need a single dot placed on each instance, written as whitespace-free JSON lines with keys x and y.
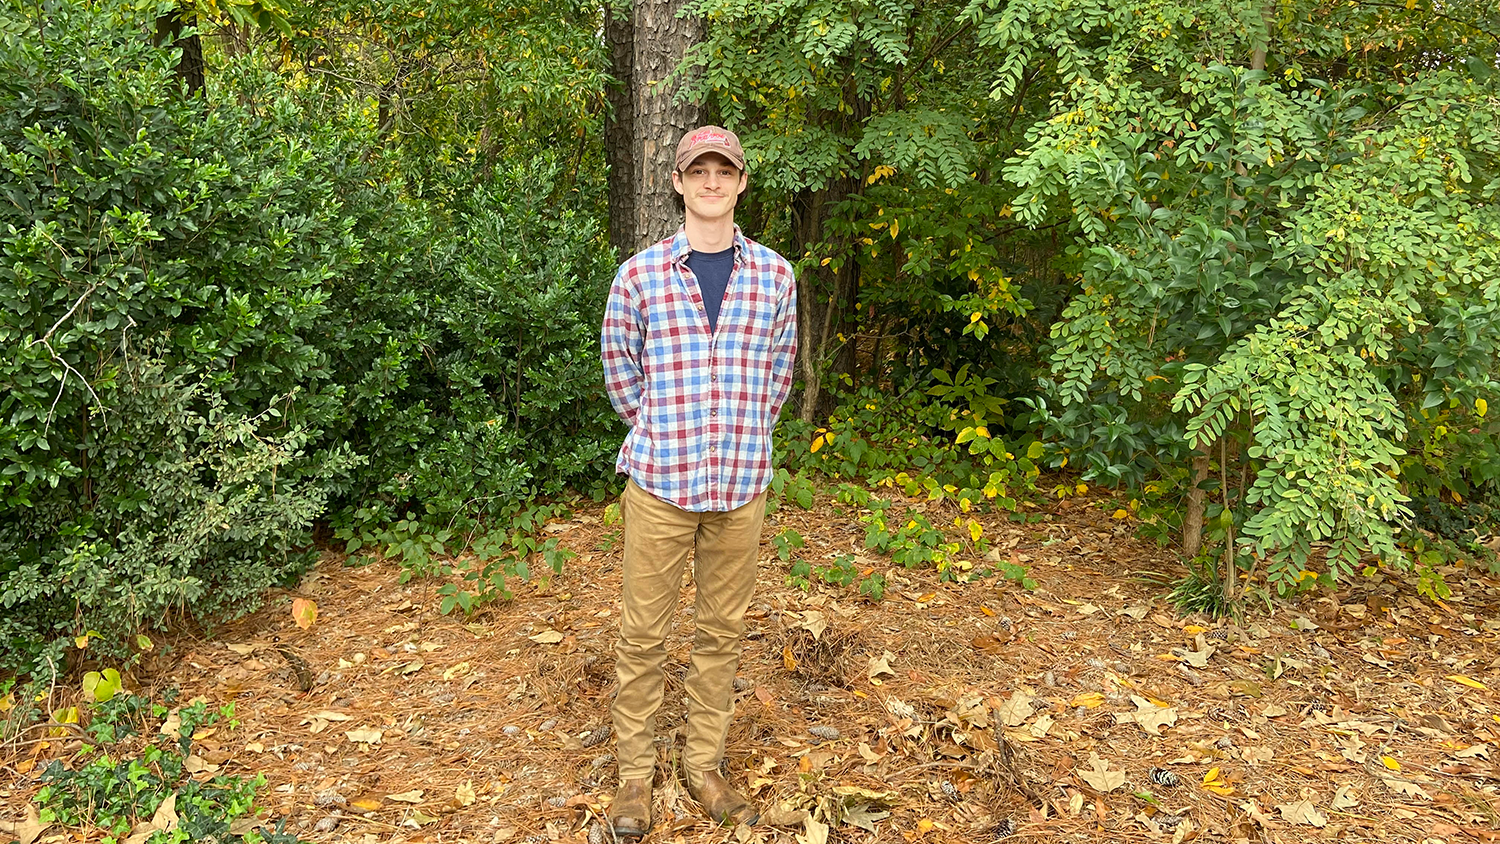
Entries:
{"x":27,"y":829}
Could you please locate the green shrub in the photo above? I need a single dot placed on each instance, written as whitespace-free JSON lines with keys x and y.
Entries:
{"x":116,"y":785}
{"x":471,"y":360}
{"x":226,"y":316}
{"x":161,"y":270}
{"x":937,"y":447}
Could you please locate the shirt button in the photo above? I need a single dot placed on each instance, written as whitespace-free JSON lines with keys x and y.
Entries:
{"x":713,"y":448}
{"x":714,"y":412}
{"x":713,"y":377}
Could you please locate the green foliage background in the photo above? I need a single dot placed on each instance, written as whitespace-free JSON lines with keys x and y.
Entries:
{"x":357,"y":281}
{"x":227,"y":318}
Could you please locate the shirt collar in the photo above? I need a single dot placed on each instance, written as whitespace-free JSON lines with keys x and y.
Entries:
{"x":681,"y":250}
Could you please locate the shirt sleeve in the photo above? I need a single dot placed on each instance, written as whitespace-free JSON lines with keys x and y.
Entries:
{"x":620,"y":342}
{"x":784,"y":345}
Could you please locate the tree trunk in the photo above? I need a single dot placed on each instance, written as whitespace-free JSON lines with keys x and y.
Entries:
{"x":825,"y":296}
{"x":385,"y":113}
{"x":1192,"y":521}
{"x":169,"y":29}
{"x":1258,"y":56}
{"x":661,"y":41}
{"x":619,"y":129}
{"x":825,"y":300}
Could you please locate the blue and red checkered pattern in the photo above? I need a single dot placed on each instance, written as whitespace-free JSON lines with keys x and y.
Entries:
{"x":701,"y":405}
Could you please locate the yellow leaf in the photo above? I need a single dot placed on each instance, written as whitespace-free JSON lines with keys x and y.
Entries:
{"x":1213,"y":774}
{"x":1390,"y":763}
{"x":63,"y":716}
{"x":1081,"y":489}
{"x":787,"y":660}
{"x":304,"y":612}
{"x":1481,"y":406}
{"x":1088,"y":700}
{"x":975,"y":317}
{"x":1122,"y":514}
{"x":1468,"y":681}
{"x":9,"y":701}
{"x":975,"y":531}
{"x":986,"y":610}
{"x":83,"y":641}
{"x":1194,"y":629}
{"x":895,"y":228}
{"x":366,"y":803}
{"x":982,"y":431}
{"x":817,"y":443}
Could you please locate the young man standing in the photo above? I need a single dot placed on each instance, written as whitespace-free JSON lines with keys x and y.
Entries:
{"x":698,"y":342}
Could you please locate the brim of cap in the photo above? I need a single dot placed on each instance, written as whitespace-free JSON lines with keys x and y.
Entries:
{"x":695,"y":153}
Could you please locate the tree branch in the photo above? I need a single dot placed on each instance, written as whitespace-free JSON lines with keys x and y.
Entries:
{"x":1404,"y":8}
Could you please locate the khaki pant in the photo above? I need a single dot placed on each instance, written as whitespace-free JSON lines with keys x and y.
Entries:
{"x":658,"y":537}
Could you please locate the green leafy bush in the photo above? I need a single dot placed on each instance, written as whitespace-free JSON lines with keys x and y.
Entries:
{"x":471,"y":358}
{"x":1285,"y":262}
{"x":919,"y":444}
{"x":116,"y":784}
{"x":161,"y":277}
{"x":226,"y":317}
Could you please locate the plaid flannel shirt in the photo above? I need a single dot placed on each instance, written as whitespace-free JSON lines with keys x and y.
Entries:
{"x":701,"y":405}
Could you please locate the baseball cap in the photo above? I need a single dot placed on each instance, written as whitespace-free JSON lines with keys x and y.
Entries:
{"x":710,"y":139}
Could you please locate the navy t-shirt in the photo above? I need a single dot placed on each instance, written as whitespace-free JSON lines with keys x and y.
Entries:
{"x":712,"y":270}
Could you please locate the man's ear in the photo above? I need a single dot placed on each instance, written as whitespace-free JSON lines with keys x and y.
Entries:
{"x":744,"y":181}
{"x":677,"y":181}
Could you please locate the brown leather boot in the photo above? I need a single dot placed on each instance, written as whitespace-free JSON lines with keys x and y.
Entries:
{"x":630,"y":813}
{"x":723,"y":803}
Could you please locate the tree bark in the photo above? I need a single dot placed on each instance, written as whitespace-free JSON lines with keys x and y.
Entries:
{"x":825,"y":300}
{"x":169,"y":29}
{"x":1192,"y":520}
{"x":619,"y":129}
{"x":661,"y":40}
{"x":1258,"y":56}
{"x":388,"y":100}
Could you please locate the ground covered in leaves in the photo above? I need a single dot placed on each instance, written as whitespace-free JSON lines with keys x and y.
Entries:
{"x":1082,"y":710}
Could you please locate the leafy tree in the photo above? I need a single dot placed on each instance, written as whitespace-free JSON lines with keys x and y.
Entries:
{"x":871,"y":138}
{"x":457,"y":83}
{"x":1287,"y":248}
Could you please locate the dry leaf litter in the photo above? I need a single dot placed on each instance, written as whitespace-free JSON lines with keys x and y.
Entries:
{"x":1082,"y":711}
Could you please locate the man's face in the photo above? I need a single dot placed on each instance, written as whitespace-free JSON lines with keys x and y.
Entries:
{"x":710,"y":186}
